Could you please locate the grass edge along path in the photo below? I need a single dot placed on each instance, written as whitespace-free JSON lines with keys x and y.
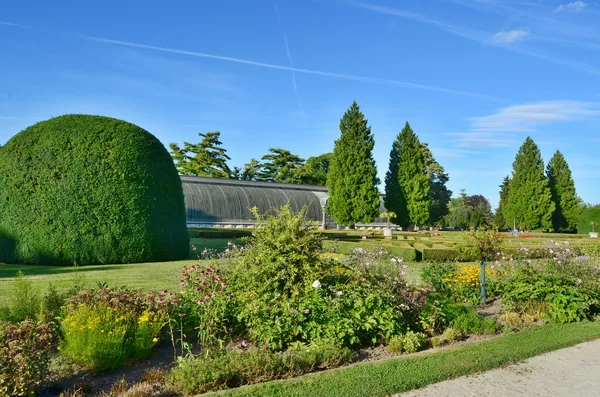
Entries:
{"x":402,"y":374}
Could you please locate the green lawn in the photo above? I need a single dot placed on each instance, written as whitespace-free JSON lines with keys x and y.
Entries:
{"x":156,"y":276}
{"x":415,"y":371}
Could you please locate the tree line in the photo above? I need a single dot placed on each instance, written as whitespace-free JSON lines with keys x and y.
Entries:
{"x":415,"y":192}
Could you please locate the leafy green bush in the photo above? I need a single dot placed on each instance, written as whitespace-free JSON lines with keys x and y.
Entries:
{"x":103,"y":327}
{"x":568,"y":290}
{"x":25,"y":301}
{"x":436,"y":273}
{"x":438,"y":254}
{"x":589,"y":218}
{"x":285,"y":291}
{"x":89,"y":190}
{"x":25,"y":350}
{"x":472,"y":323}
{"x":194,"y":375}
{"x":414,"y":341}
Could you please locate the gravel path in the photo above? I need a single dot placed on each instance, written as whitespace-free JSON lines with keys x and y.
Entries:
{"x":573,"y":372}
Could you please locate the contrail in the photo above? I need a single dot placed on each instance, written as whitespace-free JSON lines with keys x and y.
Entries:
{"x":289,"y":56}
{"x":365,"y":79}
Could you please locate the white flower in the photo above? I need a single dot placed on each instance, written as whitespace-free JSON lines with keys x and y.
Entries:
{"x":316,"y":284}
{"x":339,"y":293}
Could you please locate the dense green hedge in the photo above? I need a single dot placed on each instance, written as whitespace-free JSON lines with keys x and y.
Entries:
{"x":89,"y":190}
{"x":588,"y":215}
{"x":436,"y":253}
{"x":219,"y":233}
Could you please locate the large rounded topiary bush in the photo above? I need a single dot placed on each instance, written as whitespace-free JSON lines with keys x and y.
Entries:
{"x":81,"y":189}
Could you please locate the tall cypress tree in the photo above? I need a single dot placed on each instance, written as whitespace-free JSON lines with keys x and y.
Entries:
{"x":500,"y":220}
{"x":565,"y":198}
{"x":407,"y":181}
{"x":352,"y":177}
{"x":529,"y":197}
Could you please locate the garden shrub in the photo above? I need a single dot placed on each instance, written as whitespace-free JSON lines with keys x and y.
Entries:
{"x":25,"y":300}
{"x":470,"y":322}
{"x":90,"y":190}
{"x":436,"y":273}
{"x":25,"y":350}
{"x":438,"y":254}
{"x":285,"y":291}
{"x":101,"y":328}
{"x":194,"y":375}
{"x":414,"y":341}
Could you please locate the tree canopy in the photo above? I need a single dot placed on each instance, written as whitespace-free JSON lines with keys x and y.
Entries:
{"x":529,"y":198}
{"x":407,"y":182}
{"x":500,"y":220}
{"x":439,"y":194}
{"x":279,"y":165}
{"x":206,"y":158}
{"x":469,"y":211}
{"x":352,"y":178}
{"x":562,"y":186}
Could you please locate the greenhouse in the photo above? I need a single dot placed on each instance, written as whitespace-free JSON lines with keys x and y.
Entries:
{"x":213,"y":202}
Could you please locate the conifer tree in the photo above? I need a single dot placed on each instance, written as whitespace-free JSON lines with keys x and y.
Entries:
{"x":529,"y":197}
{"x":438,"y":192}
{"x":207,"y":158}
{"x":562,"y":186}
{"x":500,"y":220}
{"x":407,"y":182}
{"x":279,"y":165}
{"x":352,"y":178}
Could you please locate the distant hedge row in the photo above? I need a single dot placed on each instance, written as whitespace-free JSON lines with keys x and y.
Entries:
{"x":89,"y":190}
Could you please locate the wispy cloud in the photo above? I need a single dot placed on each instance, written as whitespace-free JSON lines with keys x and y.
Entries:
{"x":365,"y":79}
{"x":511,"y":36}
{"x":289,"y":57}
{"x":478,"y":139}
{"x":525,"y":118}
{"x":479,"y":36}
{"x":15,"y":25}
{"x":575,"y":6}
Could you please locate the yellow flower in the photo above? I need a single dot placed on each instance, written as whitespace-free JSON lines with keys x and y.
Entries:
{"x":155,"y":340}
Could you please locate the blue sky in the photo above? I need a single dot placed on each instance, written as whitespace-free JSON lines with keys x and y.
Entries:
{"x":473,"y":77}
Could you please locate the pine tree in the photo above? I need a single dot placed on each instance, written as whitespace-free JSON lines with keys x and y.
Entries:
{"x":207,"y":158}
{"x":562,"y":186}
{"x":407,"y":182}
{"x":248,"y":172}
{"x":352,"y":177}
{"x":529,"y":197}
{"x":438,"y":192}
{"x":500,"y":220}
{"x":279,"y":165}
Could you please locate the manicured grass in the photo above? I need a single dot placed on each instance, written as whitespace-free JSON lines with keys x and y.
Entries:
{"x":411,"y":372}
{"x":155,"y":276}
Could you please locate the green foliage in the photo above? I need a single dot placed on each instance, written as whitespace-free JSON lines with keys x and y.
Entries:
{"x":470,"y":322}
{"x":25,"y":350}
{"x":352,"y":177}
{"x":315,"y":170}
{"x":562,"y":186}
{"x":407,"y":181}
{"x":247,"y":173}
{"x":589,"y":220}
{"x":208,"y":305}
{"x":500,"y":221}
{"x":438,"y":192}
{"x":285,"y":291}
{"x":481,"y":246}
{"x":567,"y":290}
{"x":272,"y":278}
{"x":195,"y":375}
{"x":103,"y":327}
{"x":450,"y":335}
{"x":206,"y":158}
{"x":437,"y":254}
{"x":280,"y":165}
{"x":435,"y":273}
{"x":25,"y":300}
{"x":410,"y":342}
{"x":90,"y":190}
{"x":469,"y":211}
{"x":529,"y":198}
